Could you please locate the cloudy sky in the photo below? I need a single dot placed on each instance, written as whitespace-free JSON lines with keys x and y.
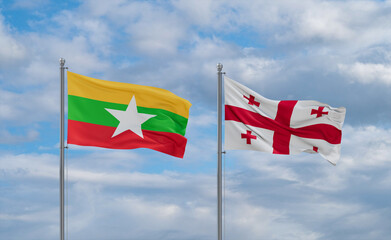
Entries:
{"x":336,"y":52}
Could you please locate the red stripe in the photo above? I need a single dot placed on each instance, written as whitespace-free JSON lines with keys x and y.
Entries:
{"x":88,"y":134}
{"x":249,"y":118}
{"x":284,"y":112}
{"x":281,"y":138}
{"x":326,"y":132}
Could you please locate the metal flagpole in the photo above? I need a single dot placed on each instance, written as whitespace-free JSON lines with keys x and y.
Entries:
{"x":219,"y":151}
{"x":62,"y":68}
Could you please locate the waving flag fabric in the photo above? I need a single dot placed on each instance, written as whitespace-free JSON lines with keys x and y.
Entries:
{"x":253,"y":122}
{"x":125,"y":116}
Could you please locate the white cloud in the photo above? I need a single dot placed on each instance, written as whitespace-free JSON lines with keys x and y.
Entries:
{"x":76,"y":51}
{"x":41,"y":216}
{"x":151,"y":29}
{"x":30,"y":165}
{"x":251,"y":69}
{"x":26,"y":4}
{"x":11,"y":49}
{"x":267,"y":196}
{"x":90,"y":169}
{"x":117,"y":194}
{"x":156,"y":32}
{"x":210,"y":15}
{"x":367,"y":146}
{"x":252,"y":221}
{"x":136,"y":179}
{"x":323,"y":21}
{"x":26,"y":108}
{"x":367,"y":73}
{"x":96,"y":31}
{"x":8,"y":138}
{"x":351,"y":24}
{"x":82,"y":53}
{"x":167,"y":216}
{"x":204,"y":14}
{"x":203,"y":120}
{"x":46,"y":218}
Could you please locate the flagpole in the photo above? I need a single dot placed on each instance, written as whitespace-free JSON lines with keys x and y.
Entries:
{"x":219,"y":151}
{"x":62,"y":68}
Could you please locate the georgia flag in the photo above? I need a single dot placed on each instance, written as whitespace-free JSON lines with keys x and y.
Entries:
{"x":253,"y":122}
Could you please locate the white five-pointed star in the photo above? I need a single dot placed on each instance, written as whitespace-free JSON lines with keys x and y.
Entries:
{"x":129,"y":119}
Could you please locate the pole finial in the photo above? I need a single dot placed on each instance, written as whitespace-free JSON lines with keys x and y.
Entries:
{"x":62,"y":61}
{"x":219,"y":67}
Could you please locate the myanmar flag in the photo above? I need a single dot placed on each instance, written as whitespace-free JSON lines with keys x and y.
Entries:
{"x":125,"y":116}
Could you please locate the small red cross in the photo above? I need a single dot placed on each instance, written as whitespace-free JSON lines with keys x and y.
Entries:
{"x":319,"y":112}
{"x":251,"y":100}
{"x":248,"y":136}
{"x":315,"y":149}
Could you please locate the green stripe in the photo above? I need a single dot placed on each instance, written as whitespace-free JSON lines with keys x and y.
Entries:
{"x":93,"y":111}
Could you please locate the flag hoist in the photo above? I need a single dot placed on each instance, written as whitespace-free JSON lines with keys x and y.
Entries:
{"x":253,"y":122}
{"x":120,"y":115}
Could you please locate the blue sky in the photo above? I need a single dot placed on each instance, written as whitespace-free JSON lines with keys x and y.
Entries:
{"x":337,"y":52}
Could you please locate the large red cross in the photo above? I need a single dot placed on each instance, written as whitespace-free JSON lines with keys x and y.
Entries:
{"x":319,"y":112}
{"x":248,"y":136}
{"x":281,"y":126}
{"x":251,"y":100}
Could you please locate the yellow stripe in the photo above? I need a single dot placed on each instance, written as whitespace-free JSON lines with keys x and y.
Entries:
{"x":118,"y":92}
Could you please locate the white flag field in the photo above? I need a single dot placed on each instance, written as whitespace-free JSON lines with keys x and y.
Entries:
{"x":253,"y":122}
